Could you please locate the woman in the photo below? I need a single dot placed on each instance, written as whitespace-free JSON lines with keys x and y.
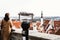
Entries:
{"x":6,"y":27}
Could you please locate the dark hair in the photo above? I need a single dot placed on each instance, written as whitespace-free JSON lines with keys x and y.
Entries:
{"x":6,"y":18}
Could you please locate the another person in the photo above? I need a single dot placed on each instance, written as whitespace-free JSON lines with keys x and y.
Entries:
{"x":6,"y":26}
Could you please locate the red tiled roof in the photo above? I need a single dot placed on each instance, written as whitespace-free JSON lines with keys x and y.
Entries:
{"x":16,"y":24}
{"x":56,"y":24}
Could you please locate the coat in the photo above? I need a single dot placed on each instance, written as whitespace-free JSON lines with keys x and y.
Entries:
{"x":5,"y":29}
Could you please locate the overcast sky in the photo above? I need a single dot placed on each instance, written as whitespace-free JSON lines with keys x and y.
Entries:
{"x":49,"y":7}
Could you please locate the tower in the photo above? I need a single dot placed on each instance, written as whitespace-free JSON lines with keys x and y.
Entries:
{"x":41,"y":17}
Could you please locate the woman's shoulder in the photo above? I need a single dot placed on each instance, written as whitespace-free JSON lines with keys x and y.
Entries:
{"x":10,"y":21}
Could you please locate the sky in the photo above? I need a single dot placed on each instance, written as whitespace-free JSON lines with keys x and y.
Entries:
{"x":49,"y":7}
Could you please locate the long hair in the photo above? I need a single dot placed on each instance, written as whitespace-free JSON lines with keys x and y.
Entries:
{"x":6,"y":18}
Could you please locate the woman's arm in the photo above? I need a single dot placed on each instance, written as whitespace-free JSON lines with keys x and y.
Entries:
{"x":11,"y":24}
{"x":1,"y":24}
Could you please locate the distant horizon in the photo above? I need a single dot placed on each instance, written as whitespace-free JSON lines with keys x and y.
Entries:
{"x":33,"y":17}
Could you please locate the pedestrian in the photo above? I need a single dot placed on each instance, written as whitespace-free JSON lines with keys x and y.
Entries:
{"x":6,"y":26}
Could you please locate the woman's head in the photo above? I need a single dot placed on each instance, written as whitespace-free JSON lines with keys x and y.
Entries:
{"x":6,"y":18}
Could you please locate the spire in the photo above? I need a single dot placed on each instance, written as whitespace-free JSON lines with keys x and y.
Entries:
{"x":41,"y":17}
{"x":41,"y":14}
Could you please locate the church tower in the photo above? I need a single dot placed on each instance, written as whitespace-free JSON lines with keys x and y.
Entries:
{"x":41,"y":17}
